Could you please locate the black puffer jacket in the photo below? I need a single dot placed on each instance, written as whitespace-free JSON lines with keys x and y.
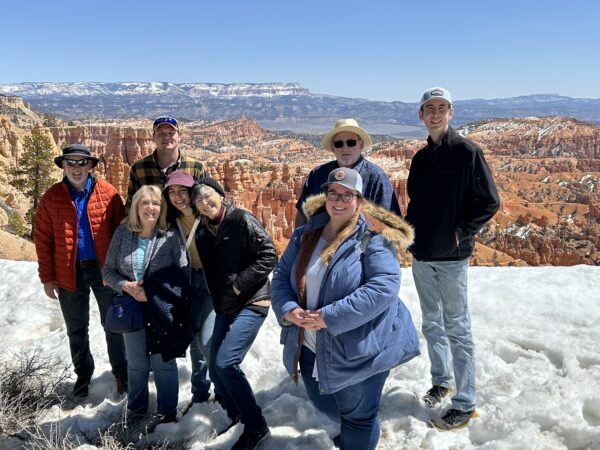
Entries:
{"x":241,"y":254}
{"x":452,"y":195}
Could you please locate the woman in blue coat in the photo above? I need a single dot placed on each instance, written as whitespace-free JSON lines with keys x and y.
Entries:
{"x":335,"y":294}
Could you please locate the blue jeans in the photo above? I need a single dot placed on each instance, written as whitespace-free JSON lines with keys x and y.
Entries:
{"x":139,"y":364}
{"x":203,"y":317}
{"x":354,"y":407}
{"x":232,"y":338}
{"x":442,"y":288}
{"x":75,"y":307}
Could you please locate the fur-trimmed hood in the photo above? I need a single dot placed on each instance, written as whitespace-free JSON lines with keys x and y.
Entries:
{"x":381,"y":221}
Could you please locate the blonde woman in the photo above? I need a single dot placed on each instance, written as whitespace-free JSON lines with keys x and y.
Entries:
{"x":143,"y":251}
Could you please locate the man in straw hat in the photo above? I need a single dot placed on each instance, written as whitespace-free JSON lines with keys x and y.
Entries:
{"x":452,"y":195}
{"x":74,"y":224}
{"x":348,"y":141}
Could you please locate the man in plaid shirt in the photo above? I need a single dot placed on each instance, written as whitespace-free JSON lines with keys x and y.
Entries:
{"x":154,"y":168}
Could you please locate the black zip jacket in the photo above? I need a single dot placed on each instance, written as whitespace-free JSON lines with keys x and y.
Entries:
{"x":241,"y":254}
{"x":452,"y":195}
{"x":167,"y":313}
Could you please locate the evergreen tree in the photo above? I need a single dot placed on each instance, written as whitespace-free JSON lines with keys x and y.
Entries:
{"x":50,"y":120}
{"x":33,"y":172}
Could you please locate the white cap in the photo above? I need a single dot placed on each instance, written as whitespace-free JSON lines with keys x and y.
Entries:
{"x":435,"y":93}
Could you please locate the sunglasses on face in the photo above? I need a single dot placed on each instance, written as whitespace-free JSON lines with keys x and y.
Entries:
{"x":348,"y":142}
{"x":77,"y":162}
{"x":346,"y":197}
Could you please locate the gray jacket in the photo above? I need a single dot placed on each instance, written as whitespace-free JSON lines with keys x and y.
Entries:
{"x":164,"y":250}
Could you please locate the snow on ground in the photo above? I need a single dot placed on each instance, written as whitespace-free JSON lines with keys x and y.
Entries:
{"x":537,"y":334}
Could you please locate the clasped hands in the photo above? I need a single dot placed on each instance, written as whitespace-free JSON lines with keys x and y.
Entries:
{"x":135,"y":289}
{"x":311,"y":320}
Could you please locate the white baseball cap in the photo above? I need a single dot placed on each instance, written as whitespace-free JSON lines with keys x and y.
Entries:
{"x":435,"y":93}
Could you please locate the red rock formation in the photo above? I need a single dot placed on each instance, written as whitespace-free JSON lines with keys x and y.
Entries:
{"x":547,"y":171}
{"x":10,"y":137}
{"x":222,"y":134}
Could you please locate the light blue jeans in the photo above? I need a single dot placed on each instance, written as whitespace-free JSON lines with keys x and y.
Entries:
{"x":203,"y":316}
{"x":354,"y":407}
{"x":442,"y":289}
{"x":139,"y":364}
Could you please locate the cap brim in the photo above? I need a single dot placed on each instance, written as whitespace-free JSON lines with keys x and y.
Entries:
{"x":435,"y":98}
{"x":189,"y":186}
{"x":324,"y":185}
{"x":165,"y":123}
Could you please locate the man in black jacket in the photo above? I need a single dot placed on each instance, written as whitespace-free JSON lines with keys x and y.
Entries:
{"x":452,"y":195}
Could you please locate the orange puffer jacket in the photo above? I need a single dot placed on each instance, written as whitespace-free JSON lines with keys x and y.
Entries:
{"x":55,"y":230}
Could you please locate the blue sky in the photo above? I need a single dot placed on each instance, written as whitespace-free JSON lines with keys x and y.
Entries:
{"x":381,"y":50}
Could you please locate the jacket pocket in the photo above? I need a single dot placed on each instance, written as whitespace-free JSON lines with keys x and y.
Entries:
{"x":360,"y":343}
{"x":289,"y":336}
{"x":284,"y":334}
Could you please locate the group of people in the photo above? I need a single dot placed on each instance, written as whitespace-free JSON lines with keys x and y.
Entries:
{"x":200,"y":267}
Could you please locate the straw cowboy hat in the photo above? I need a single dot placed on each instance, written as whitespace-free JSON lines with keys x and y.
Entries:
{"x":347,"y":125}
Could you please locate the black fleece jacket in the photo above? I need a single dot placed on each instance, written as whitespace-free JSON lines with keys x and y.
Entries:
{"x":452,"y":195}
{"x":241,"y":254}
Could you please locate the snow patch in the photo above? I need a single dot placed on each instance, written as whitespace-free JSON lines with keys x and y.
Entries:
{"x":537,"y":372}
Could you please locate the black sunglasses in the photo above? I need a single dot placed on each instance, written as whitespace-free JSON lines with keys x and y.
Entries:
{"x":77,"y":162}
{"x":349,"y":143}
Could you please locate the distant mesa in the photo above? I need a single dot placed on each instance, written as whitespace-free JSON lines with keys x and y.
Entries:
{"x":275,"y":106}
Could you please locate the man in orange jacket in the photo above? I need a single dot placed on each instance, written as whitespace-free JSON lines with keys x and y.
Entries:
{"x":74,"y":224}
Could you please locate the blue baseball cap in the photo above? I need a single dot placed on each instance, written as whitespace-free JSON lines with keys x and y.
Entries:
{"x":165,"y":120}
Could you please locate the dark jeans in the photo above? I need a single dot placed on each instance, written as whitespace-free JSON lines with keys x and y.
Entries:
{"x":203,"y":316}
{"x":232,"y":338}
{"x":354,"y":407}
{"x":75,"y":307}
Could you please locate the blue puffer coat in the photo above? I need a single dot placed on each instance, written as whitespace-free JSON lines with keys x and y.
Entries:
{"x":369,"y":329}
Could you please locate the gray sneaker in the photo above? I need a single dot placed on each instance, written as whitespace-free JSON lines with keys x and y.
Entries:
{"x":435,"y":395}
{"x":454,"y":419}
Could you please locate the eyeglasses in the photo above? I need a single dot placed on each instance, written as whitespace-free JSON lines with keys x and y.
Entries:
{"x":346,"y":197}
{"x":349,"y":143}
{"x":77,"y":162}
{"x":164,"y":119}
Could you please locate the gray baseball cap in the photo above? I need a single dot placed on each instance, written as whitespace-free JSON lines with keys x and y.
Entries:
{"x":344,"y":176}
{"x":435,"y":93}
